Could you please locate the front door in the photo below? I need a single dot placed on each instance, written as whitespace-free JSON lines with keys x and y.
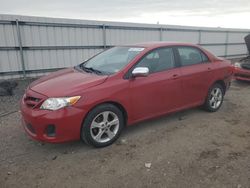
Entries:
{"x":160,"y":91}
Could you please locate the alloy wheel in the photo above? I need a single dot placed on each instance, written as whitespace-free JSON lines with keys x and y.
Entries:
{"x":216,"y":96}
{"x":104,"y":126}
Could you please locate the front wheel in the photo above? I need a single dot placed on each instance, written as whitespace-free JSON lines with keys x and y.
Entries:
{"x":102,"y":125}
{"x":214,"y":98}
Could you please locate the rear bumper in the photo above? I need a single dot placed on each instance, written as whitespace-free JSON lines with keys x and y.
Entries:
{"x":242,"y":74}
{"x":66,"y":122}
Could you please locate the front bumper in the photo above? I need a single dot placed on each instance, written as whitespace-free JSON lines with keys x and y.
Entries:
{"x":242,"y":74}
{"x":66,"y":122}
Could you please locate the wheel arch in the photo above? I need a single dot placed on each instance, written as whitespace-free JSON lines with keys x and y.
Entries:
{"x":222,"y":83}
{"x":117,"y":104}
{"x":205,"y":105}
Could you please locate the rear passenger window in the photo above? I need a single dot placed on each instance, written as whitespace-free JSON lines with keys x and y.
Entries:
{"x":191,"y":56}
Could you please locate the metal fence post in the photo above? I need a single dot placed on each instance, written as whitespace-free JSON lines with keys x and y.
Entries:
{"x":160,"y":33}
{"x":104,"y":36}
{"x":226,"y":44}
{"x":199,"y":37}
{"x":20,"y":47}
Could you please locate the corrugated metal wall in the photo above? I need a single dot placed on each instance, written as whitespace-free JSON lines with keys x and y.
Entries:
{"x":46,"y":44}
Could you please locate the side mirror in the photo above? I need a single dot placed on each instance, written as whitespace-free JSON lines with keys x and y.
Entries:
{"x":140,"y":72}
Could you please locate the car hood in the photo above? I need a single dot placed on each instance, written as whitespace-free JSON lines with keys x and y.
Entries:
{"x":66,"y":82}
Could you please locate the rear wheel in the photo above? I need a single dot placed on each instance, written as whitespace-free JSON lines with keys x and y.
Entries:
{"x":214,"y":98}
{"x":102,"y":125}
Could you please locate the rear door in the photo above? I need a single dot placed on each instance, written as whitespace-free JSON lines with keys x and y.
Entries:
{"x":195,"y":74}
{"x":160,"y":91}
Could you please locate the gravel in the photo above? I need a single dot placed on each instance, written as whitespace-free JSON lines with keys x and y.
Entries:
{"x":192,"y":148}
{"x":13,"y":101}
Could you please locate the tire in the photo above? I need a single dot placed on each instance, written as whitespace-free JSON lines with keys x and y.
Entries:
{"x":214,"y":101}
{"x":102,"y":126}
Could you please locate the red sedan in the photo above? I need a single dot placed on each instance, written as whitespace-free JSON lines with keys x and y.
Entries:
{"x":121,"y":86}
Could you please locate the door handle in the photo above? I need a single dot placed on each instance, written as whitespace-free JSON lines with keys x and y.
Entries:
{"x":175,"y":76}
{"x":209,"y":69}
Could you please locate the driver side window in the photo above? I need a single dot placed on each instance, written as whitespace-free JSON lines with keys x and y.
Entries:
{"x":158,"y":60}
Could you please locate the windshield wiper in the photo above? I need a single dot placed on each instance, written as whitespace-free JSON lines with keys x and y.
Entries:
{"x":91,"y":69}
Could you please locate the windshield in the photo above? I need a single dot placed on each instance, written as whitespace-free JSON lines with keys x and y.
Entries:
{"x":112,"y":60}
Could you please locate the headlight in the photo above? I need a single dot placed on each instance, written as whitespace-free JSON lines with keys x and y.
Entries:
{"x":238,"y":65}
{"x":57,"y":103}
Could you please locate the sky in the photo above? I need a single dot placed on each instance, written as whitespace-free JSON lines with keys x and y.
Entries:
{"x":208,"y":13}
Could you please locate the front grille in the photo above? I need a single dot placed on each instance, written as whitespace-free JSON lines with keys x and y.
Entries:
{"x":33,"y":99}
{"x":31,"y":102}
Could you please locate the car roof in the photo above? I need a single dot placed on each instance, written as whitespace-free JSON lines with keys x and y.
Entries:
{"x":156,"y":44}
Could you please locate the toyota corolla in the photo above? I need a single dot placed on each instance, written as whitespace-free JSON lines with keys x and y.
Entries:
{"x":123,"y":85}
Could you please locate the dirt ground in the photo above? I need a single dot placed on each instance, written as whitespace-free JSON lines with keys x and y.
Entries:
{"x":192,"y":148}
